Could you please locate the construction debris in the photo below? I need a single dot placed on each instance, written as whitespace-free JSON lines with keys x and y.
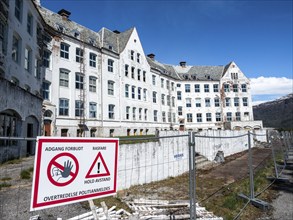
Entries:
{"x":150,"y":209}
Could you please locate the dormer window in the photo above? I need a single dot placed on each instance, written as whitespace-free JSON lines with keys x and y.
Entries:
{"x":60,"y":28}
{"x":92,"y":41}
{"x":77,"y":34}
{"x":110,"y":47}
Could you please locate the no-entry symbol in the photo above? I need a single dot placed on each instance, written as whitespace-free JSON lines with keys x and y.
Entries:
{"x":62,"y":169}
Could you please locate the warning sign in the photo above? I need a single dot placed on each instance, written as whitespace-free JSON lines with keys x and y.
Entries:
{"x":71,"y":170}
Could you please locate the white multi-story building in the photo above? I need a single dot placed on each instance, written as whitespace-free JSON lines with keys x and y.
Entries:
{"x":21,"y":28}
{"x":102,"y":84}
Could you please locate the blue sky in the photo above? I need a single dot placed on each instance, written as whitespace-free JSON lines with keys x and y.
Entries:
{"x":256,"y":34}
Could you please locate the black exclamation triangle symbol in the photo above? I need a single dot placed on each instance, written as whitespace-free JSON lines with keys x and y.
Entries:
{"x":98,"y":167}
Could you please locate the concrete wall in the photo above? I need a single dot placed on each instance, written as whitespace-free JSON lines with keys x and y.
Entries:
{"x":169,"y":157}
{"x":152,"y":161}
{"x":209,"y":147}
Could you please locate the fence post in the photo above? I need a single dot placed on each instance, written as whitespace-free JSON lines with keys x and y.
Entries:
{"x":192,"y":194}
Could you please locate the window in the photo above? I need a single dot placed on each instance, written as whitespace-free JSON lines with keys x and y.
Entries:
{"x":29,"y":24}
{"x":46,"y":90}
{"x":164,"y":116}
{"x":226,"y":87}
{"x":63,"y":106}
{"x":238,"y":116}
{"x":245,"y":101}
{"x":64,"y":78}
{"x":139,"y":93}
{"x":64,"y":50}
{"x":126,"y":69}
{"x":132,"y":72}
{"x":140,"y":114}
{"x":187,"y":87}
{"x":179,"y":97}
{"x":172,"y":86}
{"x":206,"y":88}
{"x":198,"y":117}
{"x":179,"y":110}
{"x":46,"y":58}
{"x":196,"y":88}
{"x":173,"y":101}
{"x":168,"y":100}
{"x":133,"y":113}
{"x":18,"y":9}
{"x":111,"y":109}
{"x":16,"y":45}
{"x":93,"y":110}
{"x":126,"y":90}
{"x":132,"y":55}
{"x":236,"y":102}
{"x":244,"y":88}
{"x":216,"y":87}
{"x":169,"y":116}
{"x":209,"y":116}
{"x":93,"y":60}
{"x":198,"y":102}
{"x":79,"y":108}
{"x":234,"y":75}
{"x":144,"y":94}
{"x":217,"y":102}
{"x":154,"y":79}
{"x":155,"y":115}
{"x":110,"y":87}
{"x":167,"y":84}
{"x":145,"y":114}
{"x":229,"y":116}
{"x":37,"y":72}
{"x":79,"y":55}
{"x":133,"y":92}
{"x":208,"y":102}
{"x":144,"y":76}
{"x":174,"y":117}
{"x":110,"y":65}
{"x":235,"y":88}
{"x":92,"y":84}
{"x":138,"y":58}
{"x":162,"y":83}
{"x":227,"y":102}
{"x":246,"y":114}
{"x":163,"y":99}
{"x":138,"y":74}
{"x":188,"y":102}
{"x":218,"y":116}
{"x":178,"y":85}
{"x":78,"y":81}
{"x":28,"y":59}
{"x":127,"y":112}
{"x":64,"y":132}
{"x":189,"y":117}
{"x":154,"y":97}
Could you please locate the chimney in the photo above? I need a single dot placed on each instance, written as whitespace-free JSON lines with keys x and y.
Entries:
{"x":152,"y":56}
{"x":116,"y":32}
{"x":37,"y":2}
{"x":65,"y":14}
{"x":183,"y":64}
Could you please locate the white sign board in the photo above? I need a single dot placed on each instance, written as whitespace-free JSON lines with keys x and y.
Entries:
{"x":69,"y":170}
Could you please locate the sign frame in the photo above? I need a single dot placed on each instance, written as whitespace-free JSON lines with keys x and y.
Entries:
{"x":87,"y":146}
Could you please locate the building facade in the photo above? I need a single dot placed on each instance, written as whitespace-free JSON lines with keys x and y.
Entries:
{"x":21,"y":26}
{"x":102,"y":84}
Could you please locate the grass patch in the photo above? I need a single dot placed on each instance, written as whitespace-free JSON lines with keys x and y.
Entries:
{"x":133,"y":141}
{"x":2,"y":185}
{"x":14,"y":161}
{"x":26,"y":174}
{"x":5,"y":179}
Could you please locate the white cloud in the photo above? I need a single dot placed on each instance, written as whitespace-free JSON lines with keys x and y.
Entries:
{"x":271,"y":86}
{"x":264,"y":89}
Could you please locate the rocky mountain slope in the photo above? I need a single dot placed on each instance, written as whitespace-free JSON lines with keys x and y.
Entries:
{"x":277,"y":113}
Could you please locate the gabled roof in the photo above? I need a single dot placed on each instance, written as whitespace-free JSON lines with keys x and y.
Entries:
{"x":203,"y":73}
{"x":69,"y":28}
